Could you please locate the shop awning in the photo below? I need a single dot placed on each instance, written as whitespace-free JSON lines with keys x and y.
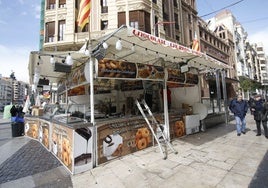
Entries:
{"x":137,"y":46}
{"x":146,"y":48}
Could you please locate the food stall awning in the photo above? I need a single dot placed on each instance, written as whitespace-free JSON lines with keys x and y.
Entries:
{"x":137,"y":46}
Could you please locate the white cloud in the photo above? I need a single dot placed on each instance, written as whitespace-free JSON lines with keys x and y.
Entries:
{"x":15,"y":59}
{"x":260,"y":37}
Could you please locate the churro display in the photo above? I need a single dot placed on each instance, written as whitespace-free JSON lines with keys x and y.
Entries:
{"x":62,"y":138}
{"x":32,"y":127}
{"x":122,"y":137}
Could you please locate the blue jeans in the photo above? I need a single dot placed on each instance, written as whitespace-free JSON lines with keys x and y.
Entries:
{"x":240,"y":124}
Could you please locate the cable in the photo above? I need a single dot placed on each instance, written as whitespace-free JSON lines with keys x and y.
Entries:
{"x":222,"y":8}
{"x":258,"y":19}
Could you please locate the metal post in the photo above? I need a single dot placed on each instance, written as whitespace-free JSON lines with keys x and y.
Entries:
{"x":166,"y":116}
{"x":218,"y":89}
{"x":223,"y":81}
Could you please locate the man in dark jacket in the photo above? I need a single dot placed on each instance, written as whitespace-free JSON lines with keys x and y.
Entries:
{"x":260,"y":111}
{"x":239,"y":108}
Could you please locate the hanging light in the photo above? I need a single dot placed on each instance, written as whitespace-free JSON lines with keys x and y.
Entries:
{"x":118,"y":45}
{"x":87,"y":52}
{"x":105,"y":45}
{"x":69,"y":59}
{"x":52,"y":60}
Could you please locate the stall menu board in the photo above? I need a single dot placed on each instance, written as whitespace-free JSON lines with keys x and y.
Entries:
{"x":108,"y":68}
{"x":191,"y":78}
{"x":150,"y":72}
{"x":61,"y":144}
{"x":76,"y":77}
{"x":120,"y":138}
{"x":175,"y":75}
{"x":79,"y":90}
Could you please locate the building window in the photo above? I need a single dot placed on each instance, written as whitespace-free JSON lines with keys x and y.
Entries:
{"x":191,"y":35}
{"x":50,"y":32}
{"x":190,"y":18}
{"x":176,"y":21}
{"x":104,"y":24}
{"x":62,"y":3}
{"x":104,"y":6}
{"x":61,"y":30}
{"x":155,"y":1}
{"x":134,"y":24}
{"x":175,"y":3}
{"x":51,"y":4}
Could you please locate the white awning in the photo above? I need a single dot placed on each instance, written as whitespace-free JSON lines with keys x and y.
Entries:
{"x":137,"y":47}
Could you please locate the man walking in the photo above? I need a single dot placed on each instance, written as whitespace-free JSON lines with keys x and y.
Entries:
{"x":260,"y":111}
{"x":239,"y":108}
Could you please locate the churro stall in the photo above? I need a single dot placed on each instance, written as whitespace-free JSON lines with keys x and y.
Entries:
{"x":101,"y":121}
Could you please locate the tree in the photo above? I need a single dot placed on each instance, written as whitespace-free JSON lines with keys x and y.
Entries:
{"x":12,"y":75}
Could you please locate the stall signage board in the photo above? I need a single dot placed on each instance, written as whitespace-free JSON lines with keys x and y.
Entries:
{"x":108,"y":68}
{"x":175,"y":75}
{"x":76,"y":77}
{"x":117,"y":139}
{"x":82,"y":149}
{"x":32,"y":127}
{"x":150,"y":72}
{"x":61,"y":145}
{"x":44,"y":133}
{"x":191,"y":78}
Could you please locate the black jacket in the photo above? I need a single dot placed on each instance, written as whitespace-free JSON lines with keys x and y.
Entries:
{"x":260,"y":110}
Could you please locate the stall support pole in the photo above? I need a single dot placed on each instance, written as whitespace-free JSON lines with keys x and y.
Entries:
{"x":224,"y":96}
{"x":218,"y":89}
{"x":166,"y":116}
{"x":92,"y":118}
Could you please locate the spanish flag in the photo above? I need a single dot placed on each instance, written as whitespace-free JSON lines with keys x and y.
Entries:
{"x":196,"y":45}
{"x":84,"y":11}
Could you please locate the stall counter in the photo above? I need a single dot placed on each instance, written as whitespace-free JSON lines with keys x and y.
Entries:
{"x":70,"y":143}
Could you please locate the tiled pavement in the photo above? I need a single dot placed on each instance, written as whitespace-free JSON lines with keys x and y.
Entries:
{"x":215,"y":158}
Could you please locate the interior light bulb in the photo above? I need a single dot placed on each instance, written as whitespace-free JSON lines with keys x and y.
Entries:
{"x":105,"y":45}
{"x":87,"y":52}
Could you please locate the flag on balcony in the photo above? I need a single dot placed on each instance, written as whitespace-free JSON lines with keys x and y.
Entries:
{"x":196,"y":45}
{"x":84,"y":11}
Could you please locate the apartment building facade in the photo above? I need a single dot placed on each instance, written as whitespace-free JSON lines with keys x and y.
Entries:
{"x":173,"y":20}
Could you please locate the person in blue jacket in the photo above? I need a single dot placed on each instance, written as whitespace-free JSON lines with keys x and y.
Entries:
{"x":239,"y":108}
{"x":259,"y":107}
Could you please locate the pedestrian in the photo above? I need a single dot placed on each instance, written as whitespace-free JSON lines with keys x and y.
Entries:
{"x":239,"y":108}
{"x":259,"y":107}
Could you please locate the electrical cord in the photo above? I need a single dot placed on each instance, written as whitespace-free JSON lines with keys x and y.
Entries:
{"x":222,"y":8}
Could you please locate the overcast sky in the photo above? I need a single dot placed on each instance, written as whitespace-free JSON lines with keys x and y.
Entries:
{"x":20,"y":26}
